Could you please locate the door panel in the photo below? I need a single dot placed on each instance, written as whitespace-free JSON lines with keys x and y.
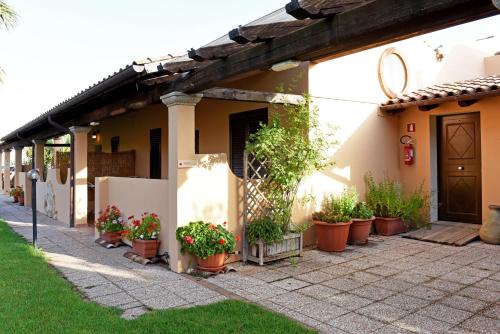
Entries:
{"x":460,"y":168}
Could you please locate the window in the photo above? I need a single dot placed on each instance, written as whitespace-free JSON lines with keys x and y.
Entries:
{"x":242,"y":125}
{"x":155,"y":154}
{"x":392,"y":72}
{"x":115,"y":144}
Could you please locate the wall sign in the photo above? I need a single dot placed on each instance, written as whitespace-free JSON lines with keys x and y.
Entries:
{"x":410,"y":127}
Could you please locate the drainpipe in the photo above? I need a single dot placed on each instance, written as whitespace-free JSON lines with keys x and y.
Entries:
{"x":72,"y":169}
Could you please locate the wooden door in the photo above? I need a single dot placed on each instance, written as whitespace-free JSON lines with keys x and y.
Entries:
{"x":241,"y":126}
{"x":460,"y":168}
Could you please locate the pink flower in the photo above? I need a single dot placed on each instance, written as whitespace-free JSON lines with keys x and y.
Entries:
{"x":188,"y":240}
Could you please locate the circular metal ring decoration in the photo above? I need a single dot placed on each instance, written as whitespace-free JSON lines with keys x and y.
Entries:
{"x":392,"y":72}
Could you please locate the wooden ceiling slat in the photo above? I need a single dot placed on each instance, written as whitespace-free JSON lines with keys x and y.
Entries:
{"x":215,"y":52}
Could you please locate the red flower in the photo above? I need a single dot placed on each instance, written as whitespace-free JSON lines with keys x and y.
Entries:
{"x":238,"y":238}
{"x":188,"y":240}
{"x":130,"y":217}
{"x":125,"y":232}
{"x":212,"y":227}
{"x":225,"y":223}
{"x":136,"y":223}
{"x":222,"y":241}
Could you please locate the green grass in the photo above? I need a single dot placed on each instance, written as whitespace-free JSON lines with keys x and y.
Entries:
{"x":34,"y":298}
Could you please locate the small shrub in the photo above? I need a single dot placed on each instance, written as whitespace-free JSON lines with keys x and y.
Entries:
{"x":264,"y":229}
{"x":362,"y":211}
{"x":338,"y":208}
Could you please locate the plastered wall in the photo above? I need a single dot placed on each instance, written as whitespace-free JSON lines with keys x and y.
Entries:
{"x":58,"y":198}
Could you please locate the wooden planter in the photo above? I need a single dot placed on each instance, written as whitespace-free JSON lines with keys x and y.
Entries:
{"x":389,"y":226}
{"x":291,"y":245}
{"x":145,"y":248}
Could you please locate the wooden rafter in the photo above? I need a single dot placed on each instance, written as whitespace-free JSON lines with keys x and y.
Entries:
{"x":251,"y":96}
{"x":215,"y":52}
{"x":314,"y":9}
{"x":265,"y":32}
{"x":180,"y":66}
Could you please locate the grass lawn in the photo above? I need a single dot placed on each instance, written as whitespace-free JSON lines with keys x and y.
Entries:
{"x":34,"y":298}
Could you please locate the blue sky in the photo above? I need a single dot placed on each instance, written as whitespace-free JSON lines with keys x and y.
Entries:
{"x":61,"y":47}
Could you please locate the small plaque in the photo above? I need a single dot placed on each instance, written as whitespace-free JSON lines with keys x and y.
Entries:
{"x":186,"y":163}
{"x":410,"y":127}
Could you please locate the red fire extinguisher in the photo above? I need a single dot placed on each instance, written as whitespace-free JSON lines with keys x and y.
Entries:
{"x":408,"y":150}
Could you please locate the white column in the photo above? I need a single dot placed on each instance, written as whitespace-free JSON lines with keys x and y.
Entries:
{"x":81,"y":173}
{"x":6,"y":170}
{"x":18,"y":158}
{"x":181,"y":129}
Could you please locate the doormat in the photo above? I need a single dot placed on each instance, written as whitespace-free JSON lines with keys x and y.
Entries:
{"x":446,"y":234}
{"x":139,"y":259}
{"x":106,"y":244}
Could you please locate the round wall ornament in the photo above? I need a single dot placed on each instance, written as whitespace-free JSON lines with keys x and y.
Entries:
{"x":392,"y":72}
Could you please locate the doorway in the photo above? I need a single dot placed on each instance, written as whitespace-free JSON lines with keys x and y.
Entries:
{"x":459,"y":168}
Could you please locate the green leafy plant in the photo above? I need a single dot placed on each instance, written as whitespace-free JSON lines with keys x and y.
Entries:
{"x":290,"y":147}
{"x":14,"y":192}
{"x":110,"y":220}
{"x":362,"y":211}
{"x":264,"y":229}
{"x":338,"y":208}
{"x":146,"y":228}
{"x":387,"y":199}
{"x":205,"y":239}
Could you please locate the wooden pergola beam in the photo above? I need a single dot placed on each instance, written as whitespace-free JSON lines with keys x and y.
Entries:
{"x":371,"y":25}
{"x":215,"y":52}
{"x":314,"y":9}
{"x":251,"y":96}
{"x":265,"y":32}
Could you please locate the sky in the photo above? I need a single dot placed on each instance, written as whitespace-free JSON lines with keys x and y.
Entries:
{"x":60,"y":47}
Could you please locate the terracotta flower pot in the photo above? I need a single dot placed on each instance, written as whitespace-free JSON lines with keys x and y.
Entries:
{"x":332,"y":237}
{"x":212,"y":263}
{"x":111,"y":237}
{"x":20,"y":199}
{"x":389,"y":226}
{"x":359,"y":231}
{"x":146,"y":248}
{"x":15,"y":199}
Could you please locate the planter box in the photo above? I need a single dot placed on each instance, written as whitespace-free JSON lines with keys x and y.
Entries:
{"x":291,"y":245}
{"x":389,"y":226}
{"x":145,"y":248}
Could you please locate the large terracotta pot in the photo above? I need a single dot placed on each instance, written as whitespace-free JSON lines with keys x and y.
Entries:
{"x":111,"y":237}
{"x":20,"y":199}
{"x":359,"y":231}
{"x":145,"y":248}
{"x":212,"y":263}
{"x":332,"y":237}
{"x":15,"y":199}
{"x":389,"y":226}
{"x":490,"y":229}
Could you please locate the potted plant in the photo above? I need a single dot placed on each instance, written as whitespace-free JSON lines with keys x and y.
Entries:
{"x":333,"y":222}
{"x":13,"y":194}
{"x":210,"y":243}
{"x":110,"y":224}
{"x":289,"y":148}
{"x":361,"y":224}
{"x":20,"y":196}
{"x":394,"y":211}
{"x":144,"y":234}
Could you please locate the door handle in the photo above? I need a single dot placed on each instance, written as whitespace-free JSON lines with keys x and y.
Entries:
{"x":460,"y":167}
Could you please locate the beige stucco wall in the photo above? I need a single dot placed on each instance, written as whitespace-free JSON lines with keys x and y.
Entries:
{"x":133,"y":130}
{"x":492,"y":65}
{"x":134,"y":196}
{"x":61,"y":192}
{"x":424,"y":166}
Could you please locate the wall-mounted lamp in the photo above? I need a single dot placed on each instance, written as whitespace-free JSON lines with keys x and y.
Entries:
{"x":95,"y":134}
{"x":285,"y":65}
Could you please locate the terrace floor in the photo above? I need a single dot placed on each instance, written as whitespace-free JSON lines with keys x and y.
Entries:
{"x":391,"y":285}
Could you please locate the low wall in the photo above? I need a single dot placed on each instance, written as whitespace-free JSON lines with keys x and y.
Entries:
{"x":134,"y":196}
{"x":53,"y":196}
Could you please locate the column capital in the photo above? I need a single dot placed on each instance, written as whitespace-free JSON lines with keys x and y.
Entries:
{"x":80,"y":129}
{"x":179,"y":98}
{"x":6,"y":150}
{"x":39,"y":141}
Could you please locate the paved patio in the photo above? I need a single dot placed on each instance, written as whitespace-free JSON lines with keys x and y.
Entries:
{"x":391,"y":285}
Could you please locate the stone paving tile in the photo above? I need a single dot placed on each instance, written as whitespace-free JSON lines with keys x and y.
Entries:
{"x":471,"y":271}
{"x":493,"y":311}
{"x":133,"y":313}
{"x":482,"y":324}
{"x":426,"y":293}
{"x":314,"y":277}
{"x":383,"y":270}
{"x":393,"y":284}
{"x":292,"y":300}
{"x":102,"y":290}
{"x":349,"y":301}
{"x":464,"y":303}
{"x":321,"y":311}
{"x":373,"y":292}
{"x":165,"y":302}
{"x":338,"y":270}
{"x":356,"y":323}
{"x":363,"y":277}
{"x":383,"y":312}
{"x":319,"y":291}
{"x":392,"y":330}
{"x":115,"y":299}
{"x":443,"y":285}
{"x":445,"y":313}
{"x":270,"y":275}
{"x":422,"y":324}
{"x":327,"y":329}
{"x":290,"y":284}
{"x":302,"y":318}
{"x":488,"y":284}
{"x":406,"y":302}
{"x":481,"y":294}
{"x":412,"y":277}
{"x":343,"y":283}
{"x":460,"y":278}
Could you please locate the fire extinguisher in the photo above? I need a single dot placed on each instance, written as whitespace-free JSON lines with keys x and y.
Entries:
{"x":408,"y":150}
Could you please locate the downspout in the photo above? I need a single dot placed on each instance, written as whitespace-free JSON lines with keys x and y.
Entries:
{"x":72,"y":169}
